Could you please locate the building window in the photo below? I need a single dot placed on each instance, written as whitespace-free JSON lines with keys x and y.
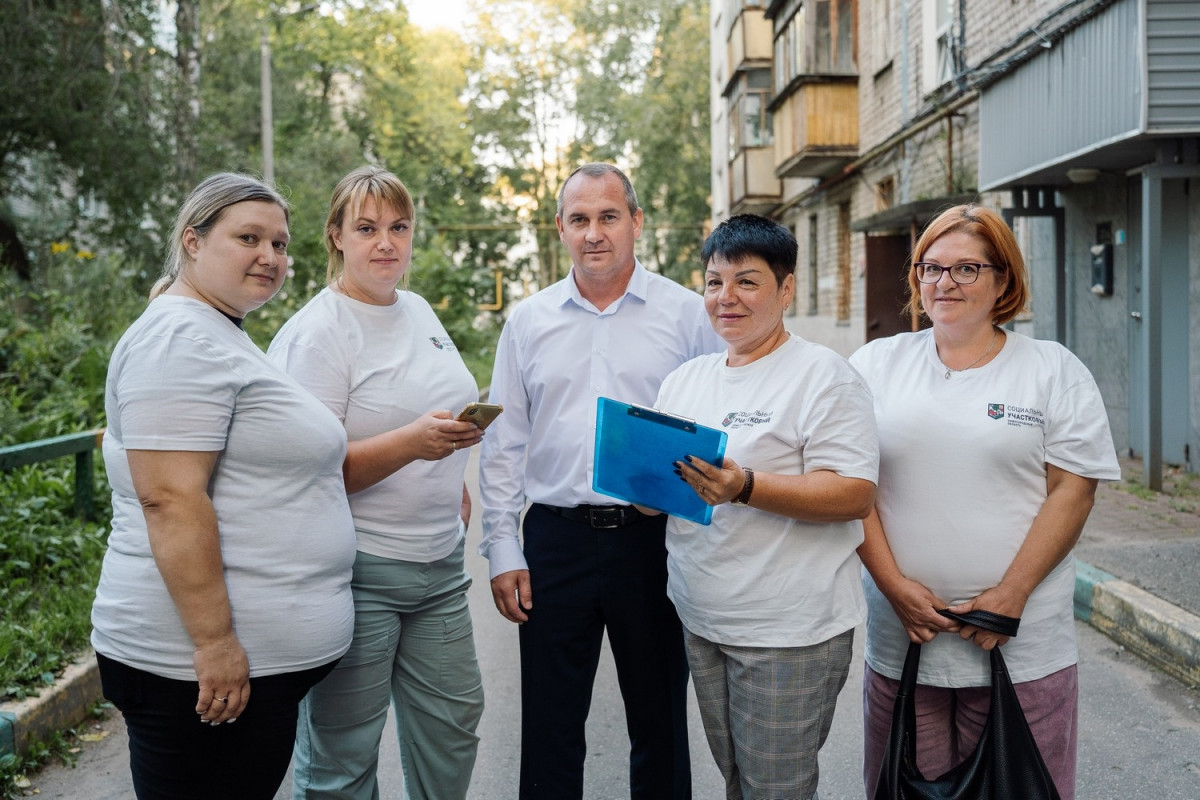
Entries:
{"x":937,"y":61}
{"x":832,"y":38}
{"x":882,"y":41}
{"x":750,"y":122}
{"x":885,"y":194}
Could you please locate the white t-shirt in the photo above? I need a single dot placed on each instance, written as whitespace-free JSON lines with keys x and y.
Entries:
{"x":183,"y":377}
{"x":752,"y":578}
{"x":378,"y":368}
{"x":962,"y":476}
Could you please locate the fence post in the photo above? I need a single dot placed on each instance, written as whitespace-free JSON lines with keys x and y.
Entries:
{"x":84,"y":505}
{"x":79,"y":445}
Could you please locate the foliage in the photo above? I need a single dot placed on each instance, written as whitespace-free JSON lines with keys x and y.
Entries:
{"x":56,"y":334}
{"x":640,"y":100}
{"x":521,"y":101}
{"x":483,"y":130}
{"x":613,"y":81}
{"x":79,"y":118}
{"x":49,"y":565}
{"x":62,"y":746}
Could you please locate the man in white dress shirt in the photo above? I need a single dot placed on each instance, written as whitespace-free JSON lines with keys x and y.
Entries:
{"x":610,"y":328}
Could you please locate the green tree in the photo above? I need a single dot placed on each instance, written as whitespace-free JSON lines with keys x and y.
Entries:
{"x":670,"y":129}
{"x":522,"y":105}
{"x":615,"y":81}
{"x":79,"y":118}
{"x":641,"y":101}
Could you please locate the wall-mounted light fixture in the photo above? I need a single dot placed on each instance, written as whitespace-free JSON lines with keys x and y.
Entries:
{"x":1082,"y":174}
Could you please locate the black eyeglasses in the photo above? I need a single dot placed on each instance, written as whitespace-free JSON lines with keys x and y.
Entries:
{"x":966,"y":272}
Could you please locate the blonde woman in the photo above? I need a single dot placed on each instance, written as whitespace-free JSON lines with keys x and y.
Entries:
{"x":227,"y":496}
{"x":381,"y":361}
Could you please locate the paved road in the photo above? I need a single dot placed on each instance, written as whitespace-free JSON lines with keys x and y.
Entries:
{"x":1139,"y":730}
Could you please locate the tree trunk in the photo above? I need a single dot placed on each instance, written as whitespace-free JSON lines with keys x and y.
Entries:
{"x":187,"y":109}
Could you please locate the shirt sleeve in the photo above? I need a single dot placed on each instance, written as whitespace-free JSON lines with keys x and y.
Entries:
{"x":175,"y":392}
{"x":1078,"y":438}
{"x":839,"y":431}
{"x":320,"y":370}
{"x":502,"y":460}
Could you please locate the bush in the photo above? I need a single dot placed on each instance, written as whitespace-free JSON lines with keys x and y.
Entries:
{"x":56,"y":335}
{"x":49,"y":565}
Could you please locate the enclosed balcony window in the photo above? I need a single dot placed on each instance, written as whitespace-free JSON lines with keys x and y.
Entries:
{"x":828,"y":49}
{"x":750,"y":123}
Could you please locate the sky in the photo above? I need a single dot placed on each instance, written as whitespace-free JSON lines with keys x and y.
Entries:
{"x":437,"y":13}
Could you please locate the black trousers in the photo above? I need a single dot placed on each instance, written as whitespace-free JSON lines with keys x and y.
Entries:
{"x":586,"y":581}
{"x":173,"y":756}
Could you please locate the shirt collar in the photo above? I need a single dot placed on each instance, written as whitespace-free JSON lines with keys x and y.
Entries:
{"x":639,"y":283}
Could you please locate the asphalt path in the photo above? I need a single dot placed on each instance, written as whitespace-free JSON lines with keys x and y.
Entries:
{"x":1139,"y":729}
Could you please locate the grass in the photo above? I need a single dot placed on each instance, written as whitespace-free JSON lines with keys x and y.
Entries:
{"x":49,"y":565}
{"x":1181,"y":489}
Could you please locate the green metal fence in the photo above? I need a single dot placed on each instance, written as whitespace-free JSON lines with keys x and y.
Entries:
{"x":80,"y":445}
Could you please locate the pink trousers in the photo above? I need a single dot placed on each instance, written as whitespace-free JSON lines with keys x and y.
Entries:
{"x":949,"y":722}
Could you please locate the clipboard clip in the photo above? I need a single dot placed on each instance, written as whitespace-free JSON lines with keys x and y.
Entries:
{"x":662,"y":417}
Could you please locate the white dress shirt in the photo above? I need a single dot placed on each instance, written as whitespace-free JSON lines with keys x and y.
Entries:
{"x":557,"y":354}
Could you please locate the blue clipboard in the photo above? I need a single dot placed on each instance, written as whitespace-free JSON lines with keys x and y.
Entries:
{"x":635,"y":448}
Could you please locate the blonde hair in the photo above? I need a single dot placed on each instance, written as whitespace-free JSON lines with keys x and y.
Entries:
{"x":349,"y":196}
{"x":1002,"y":251}
{"x":203,"y":209}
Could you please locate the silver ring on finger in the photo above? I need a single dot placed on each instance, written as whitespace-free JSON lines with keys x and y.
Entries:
{"x":221,"y":699}
{"x":453,"y":446}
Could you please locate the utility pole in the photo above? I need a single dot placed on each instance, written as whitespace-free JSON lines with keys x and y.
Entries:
{"x":268,"y":117}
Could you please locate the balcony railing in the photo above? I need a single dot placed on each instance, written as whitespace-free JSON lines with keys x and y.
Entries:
{"x":753,"y":187}
{"x":816,"y":128}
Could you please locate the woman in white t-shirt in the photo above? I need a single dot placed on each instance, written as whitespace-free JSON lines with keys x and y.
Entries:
{"x":769,"y":592}
{"x":991,"y":446}
{"x":225,"y":591}
{"x":380,"y":360}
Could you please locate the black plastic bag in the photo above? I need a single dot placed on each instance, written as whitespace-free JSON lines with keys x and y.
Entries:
{"x":1005,"y":764}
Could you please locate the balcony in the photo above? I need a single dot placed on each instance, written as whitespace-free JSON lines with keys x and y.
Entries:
{"x":816,"y":127}
{"x":753,"y":187}
{"x":749,"y":43}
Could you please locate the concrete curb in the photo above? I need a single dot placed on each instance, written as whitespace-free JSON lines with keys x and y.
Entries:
{"x":59,"y":707}
{"x":1160,"y":632}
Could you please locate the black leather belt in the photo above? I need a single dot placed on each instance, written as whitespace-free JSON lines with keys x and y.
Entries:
{"x":598,"y":516}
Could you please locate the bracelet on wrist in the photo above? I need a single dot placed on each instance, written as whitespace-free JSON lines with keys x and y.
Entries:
{"x":747,"y":488}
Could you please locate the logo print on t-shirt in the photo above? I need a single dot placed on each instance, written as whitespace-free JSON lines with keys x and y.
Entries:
{"x":1025,"y":417}
{"x":443,"y":343}
{"x":996,"y":410}
{"x":744,"y":419}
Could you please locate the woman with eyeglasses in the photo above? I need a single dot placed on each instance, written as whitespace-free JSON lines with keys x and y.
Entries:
{"x":991,"y":447}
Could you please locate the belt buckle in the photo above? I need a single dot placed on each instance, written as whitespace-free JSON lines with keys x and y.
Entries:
{"x":604,"y":517}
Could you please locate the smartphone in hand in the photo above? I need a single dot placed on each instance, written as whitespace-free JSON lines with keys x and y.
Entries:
{"x":481,"y":414}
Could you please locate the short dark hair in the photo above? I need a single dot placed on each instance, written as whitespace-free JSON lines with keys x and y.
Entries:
{"x":746,"y":235}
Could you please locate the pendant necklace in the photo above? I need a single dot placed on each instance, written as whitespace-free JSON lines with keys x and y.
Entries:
{"x":976,"y":361}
